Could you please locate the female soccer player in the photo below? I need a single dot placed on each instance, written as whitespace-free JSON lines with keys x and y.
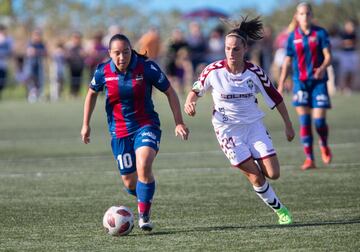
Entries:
{"x":237,"y":120}
{"x":308,"y":49}
{"x":128,"y":78}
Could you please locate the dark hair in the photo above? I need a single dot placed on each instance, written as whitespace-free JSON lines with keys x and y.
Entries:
{"x":252,"y":29}
{"x":122,"y":37}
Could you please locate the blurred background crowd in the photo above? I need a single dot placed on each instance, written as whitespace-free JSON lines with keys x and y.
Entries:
{"x":49,"y":50}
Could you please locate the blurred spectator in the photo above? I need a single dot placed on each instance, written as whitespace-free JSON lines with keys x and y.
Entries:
{"x":75,"y":55}
{"x":112,"y":30}
{"x":175,"y":62}
{"x":96,"y":54}
{"x":57,"y":72}
{"x":266,"y":50}
{"x":280,"y":52}
{"x":197,"y":44}
{"x":149,"y":44}
{"x":333,"y":70}
{"x":349,"y":59}
{"x":34,"y":66}
{"x":215,"y":46}
{"x":5,"y":52}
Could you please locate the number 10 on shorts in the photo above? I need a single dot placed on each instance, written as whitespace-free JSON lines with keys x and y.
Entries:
{"x":124,"y":161}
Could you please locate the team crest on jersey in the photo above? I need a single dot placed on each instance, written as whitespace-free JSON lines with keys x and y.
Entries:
{"x":250,"y":83}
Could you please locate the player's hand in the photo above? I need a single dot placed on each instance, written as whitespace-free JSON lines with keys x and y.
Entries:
{"x":289,"y":132}
{"x":182,"y":131}
{"x":85,"y":134}
{"x":190,"y":108}
{"x":319,"y":73}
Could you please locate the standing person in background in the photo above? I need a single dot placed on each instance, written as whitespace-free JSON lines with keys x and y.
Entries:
{"x":177,"y":55}
{"x":34,"y":66}
{"x":75,"y":55}
{"x":96,"y":54}
{"x":128,"y":79}
{"x":6,"y":45}
{"x":349,"y":58}
{"x":197,"y":44}
{"x":309,"y":50}
{"x":237,"y":119}
{"x":57,"y":72}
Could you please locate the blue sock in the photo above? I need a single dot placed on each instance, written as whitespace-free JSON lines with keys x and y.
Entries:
{"x":322,"y":130}
{"x":131,"y":192}
{"x":145,"y":193}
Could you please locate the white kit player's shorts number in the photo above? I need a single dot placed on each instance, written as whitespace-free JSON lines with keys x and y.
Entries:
{"x":240,"y":142}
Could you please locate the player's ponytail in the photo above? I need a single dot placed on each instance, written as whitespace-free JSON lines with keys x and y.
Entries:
{"x":252,"y":29}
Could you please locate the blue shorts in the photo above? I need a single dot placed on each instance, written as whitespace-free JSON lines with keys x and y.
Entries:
{"x":124,"y":148}
{"x":311,"y":93}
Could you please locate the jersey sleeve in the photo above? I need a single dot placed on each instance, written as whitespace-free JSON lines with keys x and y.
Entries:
{"x":289,"y":46}
{"x":156,"y":76}
{"x":202,"y":84}
{"x":98,"y":81}
{"x":324,"y":39}
{"x":263,"y":85}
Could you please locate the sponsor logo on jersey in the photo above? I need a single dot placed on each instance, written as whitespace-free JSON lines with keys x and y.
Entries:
{"x":235,"y":96}
{"x":111,"y":78}
{"x":297,"y":41}
{"x":149,"y":134}
{"x":148,"y":141}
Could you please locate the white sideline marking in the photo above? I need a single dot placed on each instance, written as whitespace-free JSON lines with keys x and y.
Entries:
{"x":335,"y":146}
{"x":42,"y":174}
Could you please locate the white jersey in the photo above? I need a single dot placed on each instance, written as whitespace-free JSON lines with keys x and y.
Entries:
{"x":234,"y":95}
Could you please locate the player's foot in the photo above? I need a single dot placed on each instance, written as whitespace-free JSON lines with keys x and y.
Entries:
{"x":308,"y":164}
{"x":145,"y":223}
{"x":284,"y":215}
{"x":326,"y":154}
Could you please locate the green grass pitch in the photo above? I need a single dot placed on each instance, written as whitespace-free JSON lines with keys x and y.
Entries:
{"x":54,"y":190}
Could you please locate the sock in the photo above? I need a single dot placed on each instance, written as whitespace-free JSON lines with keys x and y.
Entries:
{"x":131,"y":192}
{"x":145,"y":193}
{"x":306,"y":135}
{"x":322,"y":130}
{"x":267,"y":194}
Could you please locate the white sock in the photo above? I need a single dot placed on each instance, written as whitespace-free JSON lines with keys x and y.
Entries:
{"x":267,"y":194}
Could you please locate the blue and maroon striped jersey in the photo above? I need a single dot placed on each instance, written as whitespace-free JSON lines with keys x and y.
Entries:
{"x":128,"y":96}
{"x":306,"y":51}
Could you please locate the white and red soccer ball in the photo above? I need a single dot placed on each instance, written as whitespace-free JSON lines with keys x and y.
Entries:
{"x":118,"y":221}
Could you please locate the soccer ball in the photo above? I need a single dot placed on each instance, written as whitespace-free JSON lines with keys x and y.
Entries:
{"x":118,"y":221}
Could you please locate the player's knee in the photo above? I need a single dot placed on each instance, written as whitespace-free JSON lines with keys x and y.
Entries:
{"x":274,"y":175}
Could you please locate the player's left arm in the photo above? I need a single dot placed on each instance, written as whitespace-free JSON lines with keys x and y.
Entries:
{"x":320,"y":71}
{"x":180,"y":128}
{"x":160,"y":81}
{"x":325,"y":47}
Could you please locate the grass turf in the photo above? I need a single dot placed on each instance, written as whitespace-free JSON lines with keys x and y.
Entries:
{"x":54,"y":190}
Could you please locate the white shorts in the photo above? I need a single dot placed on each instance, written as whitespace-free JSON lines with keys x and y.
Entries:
{"x":242,"y":142}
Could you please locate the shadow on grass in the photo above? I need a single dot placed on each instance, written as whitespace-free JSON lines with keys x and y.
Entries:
{"x":244,"y":227}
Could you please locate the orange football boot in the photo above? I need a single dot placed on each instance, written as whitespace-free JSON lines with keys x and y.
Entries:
{"x":308,"y":164}
{"x":326,"y":154}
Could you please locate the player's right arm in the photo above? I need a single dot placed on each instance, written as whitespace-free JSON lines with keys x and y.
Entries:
{"x":89,"y":106}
